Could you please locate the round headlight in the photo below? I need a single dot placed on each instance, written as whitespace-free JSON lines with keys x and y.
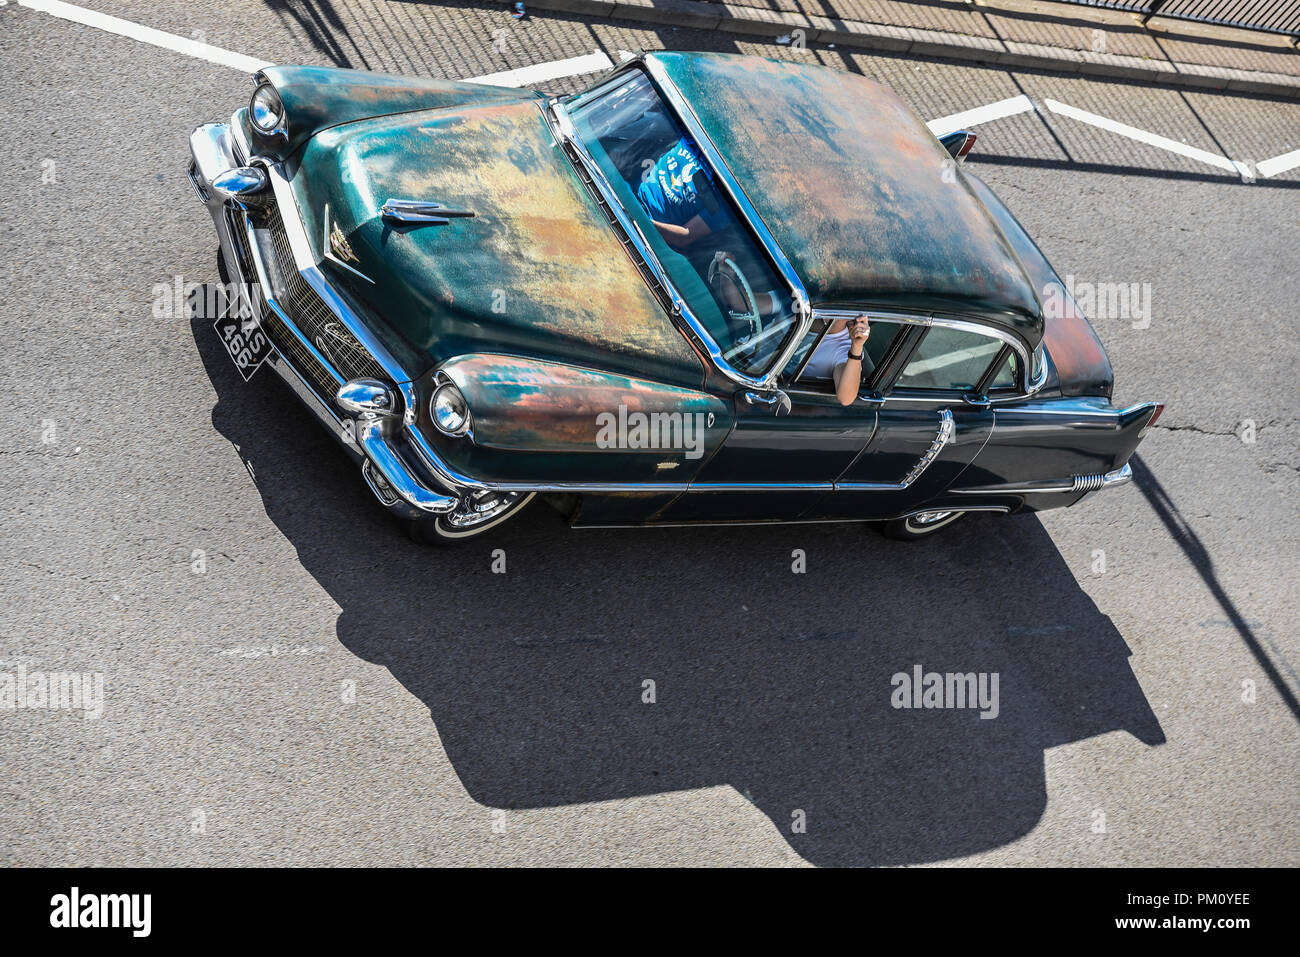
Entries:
{"x":450,"y":410}
{"x":266,"y":109}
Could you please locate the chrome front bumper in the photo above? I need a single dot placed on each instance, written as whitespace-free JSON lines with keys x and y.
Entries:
{"x":384,"y":447}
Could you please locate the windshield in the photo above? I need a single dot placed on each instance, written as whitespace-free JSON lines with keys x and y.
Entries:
{"x":709,"y":253}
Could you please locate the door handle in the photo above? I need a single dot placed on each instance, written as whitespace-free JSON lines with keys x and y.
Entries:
{"x":778,"y":402}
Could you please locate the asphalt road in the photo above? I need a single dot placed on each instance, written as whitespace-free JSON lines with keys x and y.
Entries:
{"x":288,"y":680}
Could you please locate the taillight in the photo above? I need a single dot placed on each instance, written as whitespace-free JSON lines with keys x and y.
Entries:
{"x":1160,"y":407}
{"x":965,"y":147}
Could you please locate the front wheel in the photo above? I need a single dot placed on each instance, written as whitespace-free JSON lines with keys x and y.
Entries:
{"x":918,"y":526}
{"x":476,"y":515}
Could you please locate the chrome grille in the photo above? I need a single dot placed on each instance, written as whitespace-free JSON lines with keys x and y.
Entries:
{"x":313,"y":317}
{"x":321,"y":379}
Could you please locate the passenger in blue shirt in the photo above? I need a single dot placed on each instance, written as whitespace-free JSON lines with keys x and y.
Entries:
{"x":671,"y":195}
{"x":677,"y":193}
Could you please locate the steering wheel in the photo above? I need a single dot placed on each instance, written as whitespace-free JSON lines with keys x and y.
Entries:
{"x":730,"y":285}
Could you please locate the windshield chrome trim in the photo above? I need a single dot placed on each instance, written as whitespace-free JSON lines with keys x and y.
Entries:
{"x":691,"y":325}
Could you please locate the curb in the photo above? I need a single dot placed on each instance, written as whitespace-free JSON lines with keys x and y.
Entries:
{"x":930,"y":43}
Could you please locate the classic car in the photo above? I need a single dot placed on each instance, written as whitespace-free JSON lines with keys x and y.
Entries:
{"x":468,"y":287}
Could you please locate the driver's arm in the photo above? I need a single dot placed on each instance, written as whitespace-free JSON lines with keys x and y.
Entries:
{"x":678,"y":236}
{"x":848,"y":374}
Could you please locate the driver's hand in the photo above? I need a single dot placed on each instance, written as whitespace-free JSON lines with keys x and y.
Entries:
{"x":859,"y":330}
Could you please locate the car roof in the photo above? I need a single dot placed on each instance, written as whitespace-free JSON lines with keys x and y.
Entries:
{"x":861,"y":199}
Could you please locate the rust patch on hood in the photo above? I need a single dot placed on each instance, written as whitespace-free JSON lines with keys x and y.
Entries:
{"x":537,"y":267}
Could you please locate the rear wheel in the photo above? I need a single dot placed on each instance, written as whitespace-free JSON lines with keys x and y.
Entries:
{"x":920,"y":525}
{"x":476,"y":515}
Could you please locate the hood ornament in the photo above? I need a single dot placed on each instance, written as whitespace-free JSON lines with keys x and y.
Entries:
{"x":414,"y":212}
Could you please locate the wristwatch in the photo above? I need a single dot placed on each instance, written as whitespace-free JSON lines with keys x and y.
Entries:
{"x":858,"y":357}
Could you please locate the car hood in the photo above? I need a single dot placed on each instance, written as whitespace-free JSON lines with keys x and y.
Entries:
{"x":536,"y":271}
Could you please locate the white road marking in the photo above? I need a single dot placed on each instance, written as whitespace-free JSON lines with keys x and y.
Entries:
{"x":537,"y":73}
{"x":981,"y":114}
{"x":541,"y":72}
{"x":125,"y":28}
{"x":1151,"y":139}
{"x":1278,"y":164}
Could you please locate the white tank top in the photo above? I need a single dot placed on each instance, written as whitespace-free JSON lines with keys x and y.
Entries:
{"x":830,"y":352}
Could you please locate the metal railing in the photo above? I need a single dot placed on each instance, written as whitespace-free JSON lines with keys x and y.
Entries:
{"x":1273,"y":16}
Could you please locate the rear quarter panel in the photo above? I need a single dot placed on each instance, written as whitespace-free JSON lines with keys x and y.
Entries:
{"x":1079,"y":362}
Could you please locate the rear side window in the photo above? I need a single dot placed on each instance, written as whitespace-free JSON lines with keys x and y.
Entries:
{"x":950,"y":360}
{"x":1005,"y":378}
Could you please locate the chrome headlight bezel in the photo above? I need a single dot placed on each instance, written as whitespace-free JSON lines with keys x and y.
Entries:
{"x":266,"y":110}
{"x":446,"y":417}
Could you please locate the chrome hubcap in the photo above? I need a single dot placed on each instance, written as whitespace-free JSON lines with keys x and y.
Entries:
{"x":481,"y":507}
{"x":931,"y":518}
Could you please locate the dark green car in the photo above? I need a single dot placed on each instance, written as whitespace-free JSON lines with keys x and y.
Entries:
{"x":642,"y":302}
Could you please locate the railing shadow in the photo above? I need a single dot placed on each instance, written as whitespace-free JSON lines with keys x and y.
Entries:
{"x":777,"y":684}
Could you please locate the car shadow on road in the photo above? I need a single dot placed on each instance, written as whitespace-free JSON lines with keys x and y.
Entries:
{"x":775,"y":683}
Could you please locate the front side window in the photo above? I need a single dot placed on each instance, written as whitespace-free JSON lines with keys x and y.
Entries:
{"x":949,"y":360}
{"x":667,"y":187}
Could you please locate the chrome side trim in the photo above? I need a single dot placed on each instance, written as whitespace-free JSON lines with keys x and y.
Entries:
{"x":1121,"y":476}
{"x":1074,"y":483}
{"x":786,"y":521}
{"x":943,"y":436}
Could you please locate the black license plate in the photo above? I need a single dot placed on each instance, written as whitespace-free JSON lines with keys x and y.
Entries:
{"x":245,"y":343}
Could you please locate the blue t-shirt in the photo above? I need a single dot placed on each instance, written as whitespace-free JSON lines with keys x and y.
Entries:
{"x":668,"y":193}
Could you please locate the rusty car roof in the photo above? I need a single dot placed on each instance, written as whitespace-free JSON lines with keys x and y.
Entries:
{"x":863,"y":201}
